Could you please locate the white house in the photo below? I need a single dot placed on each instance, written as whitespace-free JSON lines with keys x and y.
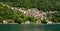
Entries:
{"x":5,"y":22}
{"x":27,"y":22}
{"x":49,"y":22}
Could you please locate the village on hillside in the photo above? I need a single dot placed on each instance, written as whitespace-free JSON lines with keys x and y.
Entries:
{"x":32,"y":12}
{"x":38,"y":16}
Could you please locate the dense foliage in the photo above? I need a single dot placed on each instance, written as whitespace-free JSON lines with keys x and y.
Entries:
{"x":55,"y":17}
{"x":44,"y":5}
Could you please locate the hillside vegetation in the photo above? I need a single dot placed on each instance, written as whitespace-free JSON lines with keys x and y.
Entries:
{"x":19,"y":17}
{"x":45,"y":5}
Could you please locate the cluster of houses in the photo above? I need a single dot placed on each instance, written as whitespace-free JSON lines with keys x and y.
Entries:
{"x":32,"y":12}
{"x":38,"y":14}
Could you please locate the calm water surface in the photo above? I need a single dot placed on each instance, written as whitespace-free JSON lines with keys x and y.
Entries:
{"x":29,"y":27}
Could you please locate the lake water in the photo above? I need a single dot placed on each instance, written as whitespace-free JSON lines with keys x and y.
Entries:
{"x":29,"y":27}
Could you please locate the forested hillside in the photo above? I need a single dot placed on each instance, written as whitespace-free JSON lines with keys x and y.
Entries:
{"x":44,"y":5}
